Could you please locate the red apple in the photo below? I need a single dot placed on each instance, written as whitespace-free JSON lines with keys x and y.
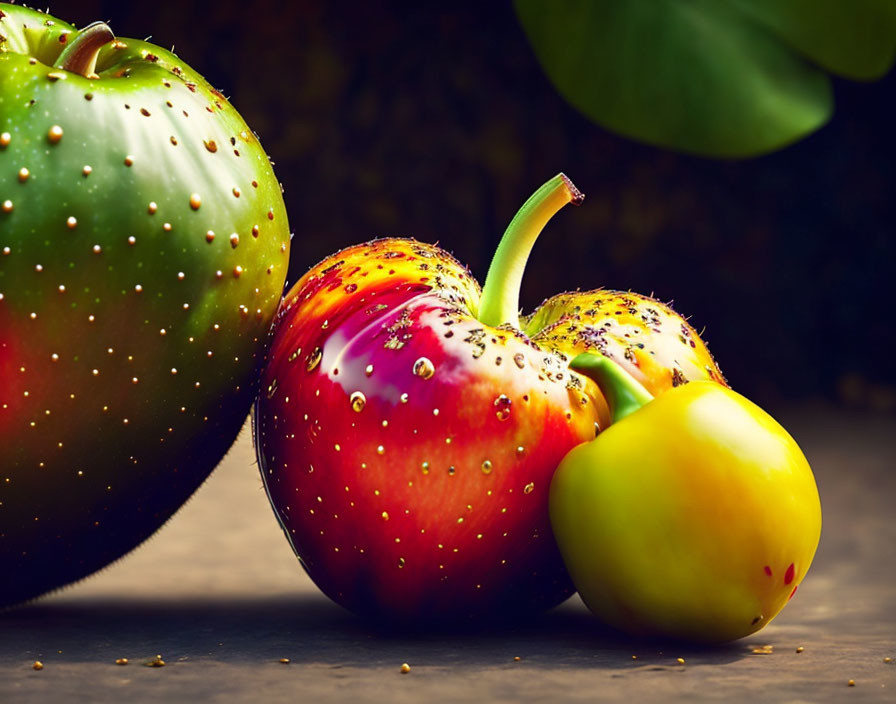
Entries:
{"x":409,"y":425}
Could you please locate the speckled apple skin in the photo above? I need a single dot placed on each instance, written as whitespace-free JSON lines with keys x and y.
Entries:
{"x":407,"y":448}
{"x":143,"y":250}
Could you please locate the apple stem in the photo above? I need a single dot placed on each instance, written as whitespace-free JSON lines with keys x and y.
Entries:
{"x":500,"y":302}
{"x":81,"y":53}
{"x":623,"y":393}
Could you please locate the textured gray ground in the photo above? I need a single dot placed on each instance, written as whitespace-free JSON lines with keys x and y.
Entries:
{"x":219,"y":595}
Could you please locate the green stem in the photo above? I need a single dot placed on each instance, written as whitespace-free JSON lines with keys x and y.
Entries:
{"x":81,"y":53}
{"x":500,"y":302}
{"x":623,"y":393}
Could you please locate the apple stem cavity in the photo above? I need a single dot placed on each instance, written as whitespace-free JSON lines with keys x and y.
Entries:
{"x":500,"y":302}
{"x":81,"y":53}
{"x":623,"y":393}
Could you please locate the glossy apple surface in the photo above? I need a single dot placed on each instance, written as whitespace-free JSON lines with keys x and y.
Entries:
{"x":143,"y":251}
{"x":694,"y":517}
{"x":407,"y":438}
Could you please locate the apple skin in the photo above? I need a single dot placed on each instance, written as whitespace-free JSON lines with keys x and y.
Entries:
{"x":133,"y":315}
{"x":695,"y":517}
{"x":650,"y":341}
{"x":407,"y":448}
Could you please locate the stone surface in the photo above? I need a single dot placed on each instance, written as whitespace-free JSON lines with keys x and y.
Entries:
{"x":218,"y":594}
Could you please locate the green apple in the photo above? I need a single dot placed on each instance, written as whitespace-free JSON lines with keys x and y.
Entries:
{"x":143,"y":250}
{"x":694,"y":515}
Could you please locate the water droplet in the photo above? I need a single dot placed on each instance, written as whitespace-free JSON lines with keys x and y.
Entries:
{"x":519,"y":359}
{"x":195,"y":201}
{"x":272,"y":389}
{"x":487,"y":467}
{"x":403,"y":398}
{"x":314,"y":359}
{"x":380,"y":450}
{"x":502,"y":404}
{"x":424,"y":368}
{"x":424,"y":467}
{"x":54,"y":134}
{"x":520,"y":450}
{"x":400,"y":565}
{"x":358,"y":401}
{"x":452,"y":471}
{"x":528,"y":489}
{"x":385,"y":515}
{"x":368,"y":370}
{"x":294,"y":355}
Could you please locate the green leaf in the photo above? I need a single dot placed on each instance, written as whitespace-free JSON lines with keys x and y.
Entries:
{"x":851,"y":38}
{"x":725,"y":78}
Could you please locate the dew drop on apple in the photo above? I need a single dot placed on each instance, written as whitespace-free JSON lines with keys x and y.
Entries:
{"x":502,"y":407}
{"x":314,"y":358}
{"x":487,"y":467}
{"x":424,"y":368}
{"x":358,"y":400}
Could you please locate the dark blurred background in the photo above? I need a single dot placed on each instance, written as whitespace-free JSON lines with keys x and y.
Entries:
{"x":434,"y":120}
